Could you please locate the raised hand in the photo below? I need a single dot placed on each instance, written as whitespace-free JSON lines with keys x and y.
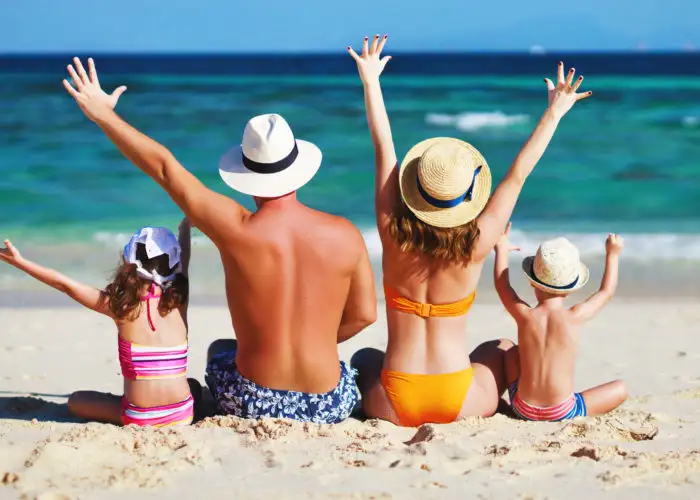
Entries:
{"x":87,"y":92}
{"x":564,"y":95}
{"x":614,"y":244}
{"x":10,"y":254}
{"x":503,"y":244}
{"x":370,"y":64}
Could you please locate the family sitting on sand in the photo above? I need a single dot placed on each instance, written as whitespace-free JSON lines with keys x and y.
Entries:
{"x":299,"y":282}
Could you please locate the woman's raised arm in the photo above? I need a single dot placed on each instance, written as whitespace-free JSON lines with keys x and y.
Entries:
{"x":370,"y":66}
{"x":493,"y":219}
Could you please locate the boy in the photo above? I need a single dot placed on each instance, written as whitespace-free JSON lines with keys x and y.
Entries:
{"x":541,"y":371}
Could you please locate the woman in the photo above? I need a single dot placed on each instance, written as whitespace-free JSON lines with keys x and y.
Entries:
{"x":437,"y":226}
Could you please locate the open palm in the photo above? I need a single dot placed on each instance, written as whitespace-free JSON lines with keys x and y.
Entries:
{"x":87,"y":91}
{"x":370,"y":64}
{"x":564,"y":95}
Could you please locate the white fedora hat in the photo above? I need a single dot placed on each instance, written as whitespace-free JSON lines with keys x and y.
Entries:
{"x":270,"y":162}
{"x":445,"y":182}
{"x":556,"y":268}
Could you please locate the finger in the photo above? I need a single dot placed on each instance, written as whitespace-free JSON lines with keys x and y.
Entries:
{"x":577,"y":83}
{"x":560,"y":73}
{"x":353,"y":54}
{"x":70,"y":89}
{"x":10,"y":247}
{"x":584,"y":95}
{"x":382,"y":43}
{"x":550,"y":84}
{"x":385,"y":60}
{"x":365,"y":48}
{"x":93,"y":71}
{"x":570,"y":77}
{"x":81,"y":70}
{"x":118,"y":92}
{"x":76,"y":79}
{"x":375,"y":43}
{"x":515,"y":249}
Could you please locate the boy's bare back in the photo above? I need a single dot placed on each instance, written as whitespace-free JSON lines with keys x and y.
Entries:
{"x":548,"y":343}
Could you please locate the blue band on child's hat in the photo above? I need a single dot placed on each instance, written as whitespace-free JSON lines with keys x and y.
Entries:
{"x":565,"y":287}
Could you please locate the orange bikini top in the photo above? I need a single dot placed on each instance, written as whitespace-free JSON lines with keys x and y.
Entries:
{"x":395,"y":301}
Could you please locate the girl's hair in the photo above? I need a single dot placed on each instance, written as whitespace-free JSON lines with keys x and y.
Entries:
{"x":123,"y":294}
{"x":453,"y":245}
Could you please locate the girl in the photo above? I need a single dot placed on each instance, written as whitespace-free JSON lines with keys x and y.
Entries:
{"x":437,"y":226}
{"x":147,"y":300}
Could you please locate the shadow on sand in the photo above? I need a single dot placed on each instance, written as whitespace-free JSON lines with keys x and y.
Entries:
{"x":32,"y":406}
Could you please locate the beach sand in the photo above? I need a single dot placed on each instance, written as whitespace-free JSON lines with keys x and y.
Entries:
{"x":649,"y":447}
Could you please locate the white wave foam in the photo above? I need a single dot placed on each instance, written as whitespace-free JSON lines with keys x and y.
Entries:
{"x":118,"y":240}
{"x":469,"y":122}
{"x":691,"y":121}
{"x":638,"y":247}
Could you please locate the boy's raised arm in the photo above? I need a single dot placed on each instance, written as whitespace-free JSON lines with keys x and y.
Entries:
{"x":515,"y":306}
{"x":594,"y":304}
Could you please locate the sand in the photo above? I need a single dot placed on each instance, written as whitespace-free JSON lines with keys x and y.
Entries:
{"x":650,"y":447}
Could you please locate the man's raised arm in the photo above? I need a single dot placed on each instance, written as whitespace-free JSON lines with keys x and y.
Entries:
{"x":211,"y":212}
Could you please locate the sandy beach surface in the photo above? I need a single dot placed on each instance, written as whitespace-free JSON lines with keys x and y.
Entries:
{"x":650,"y":447}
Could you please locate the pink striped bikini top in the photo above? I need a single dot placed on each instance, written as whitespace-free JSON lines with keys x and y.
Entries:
{"x":142,"y":362}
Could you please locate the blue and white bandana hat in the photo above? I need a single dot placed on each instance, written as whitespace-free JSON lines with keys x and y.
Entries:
{"x":158,"y":241}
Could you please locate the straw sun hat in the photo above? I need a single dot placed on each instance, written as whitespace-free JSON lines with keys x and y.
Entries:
{"x":556,"y":268}
{"x":445,"y":182}
{"x":270,"y":161}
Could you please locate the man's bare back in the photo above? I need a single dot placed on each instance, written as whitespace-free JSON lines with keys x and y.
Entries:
{"x":289,"y":271}
{"x":541,"y":369}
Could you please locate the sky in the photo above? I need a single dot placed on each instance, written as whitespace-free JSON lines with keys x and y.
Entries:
{"x":329,"y":25}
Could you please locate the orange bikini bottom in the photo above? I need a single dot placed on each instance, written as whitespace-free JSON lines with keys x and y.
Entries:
{"x":418,"y":398}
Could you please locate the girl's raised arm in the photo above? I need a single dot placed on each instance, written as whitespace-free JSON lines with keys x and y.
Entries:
{"x":370,"y":65}
{"x":185,"y":239}
{"x":86,"y":295}
{"x":496,"y":215}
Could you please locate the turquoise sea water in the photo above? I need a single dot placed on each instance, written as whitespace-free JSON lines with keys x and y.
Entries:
{"x":626,"y":160}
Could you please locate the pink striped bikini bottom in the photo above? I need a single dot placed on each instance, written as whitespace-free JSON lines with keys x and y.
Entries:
{"x":574,"y":406}
{"x":159,"y":416}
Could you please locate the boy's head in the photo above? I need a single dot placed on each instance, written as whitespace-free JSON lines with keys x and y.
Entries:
{"x":556,"y":269}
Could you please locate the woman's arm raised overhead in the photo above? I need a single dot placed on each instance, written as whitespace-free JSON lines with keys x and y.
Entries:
{"x":370,"y":65}
{"x":499,"y":209}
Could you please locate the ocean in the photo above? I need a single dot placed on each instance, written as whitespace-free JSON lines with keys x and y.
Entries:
{"x":626,"y":160}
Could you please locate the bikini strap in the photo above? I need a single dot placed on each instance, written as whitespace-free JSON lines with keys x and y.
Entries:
{"x":147,"y":298}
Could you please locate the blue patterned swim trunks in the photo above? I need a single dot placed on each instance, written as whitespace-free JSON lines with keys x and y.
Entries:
{"x":236,"y":395}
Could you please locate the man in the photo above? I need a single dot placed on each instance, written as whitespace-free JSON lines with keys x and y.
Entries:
{"x":298,"y":281}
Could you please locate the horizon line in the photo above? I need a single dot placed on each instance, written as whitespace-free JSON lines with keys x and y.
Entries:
{"x":336,"y":53}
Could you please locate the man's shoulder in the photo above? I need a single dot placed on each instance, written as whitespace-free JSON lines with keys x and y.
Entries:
{"x":336,"y":222}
